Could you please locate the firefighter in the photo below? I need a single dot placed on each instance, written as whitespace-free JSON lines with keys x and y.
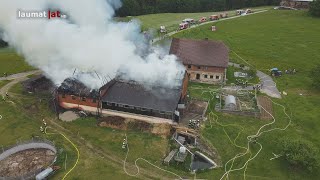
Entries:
{"x":41,"y":129}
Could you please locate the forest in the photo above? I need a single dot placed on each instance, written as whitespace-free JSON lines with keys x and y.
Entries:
{"x":141,"y":7}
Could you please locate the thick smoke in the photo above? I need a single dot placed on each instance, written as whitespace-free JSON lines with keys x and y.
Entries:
{"x":88,"y":40}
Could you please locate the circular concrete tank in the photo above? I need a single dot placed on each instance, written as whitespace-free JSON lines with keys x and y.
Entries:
{"x":26,"y":160}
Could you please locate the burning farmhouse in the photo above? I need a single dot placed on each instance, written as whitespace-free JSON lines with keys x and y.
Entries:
{"x":127,"y":99}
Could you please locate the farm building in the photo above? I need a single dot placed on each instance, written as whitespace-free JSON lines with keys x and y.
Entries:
{"x":73,"y":94}
{"x":298,"y":4}
{"x":127,"y":99}
{"x":206,"y":61}
{"x":154,"y":101}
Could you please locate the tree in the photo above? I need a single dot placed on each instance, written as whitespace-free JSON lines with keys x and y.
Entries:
{"x":129,"y":8}
{"x":315,"y":76}
{"x":315,"y":8}
{"x":300,"y":153}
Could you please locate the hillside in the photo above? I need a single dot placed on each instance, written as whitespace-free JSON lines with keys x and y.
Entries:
{"x":283,"y":39}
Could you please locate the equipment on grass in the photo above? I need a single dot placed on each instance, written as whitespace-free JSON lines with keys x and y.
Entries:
{"x":275,"y":72}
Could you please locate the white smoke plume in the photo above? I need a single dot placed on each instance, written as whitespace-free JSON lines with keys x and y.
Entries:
{"x":89,"y":40}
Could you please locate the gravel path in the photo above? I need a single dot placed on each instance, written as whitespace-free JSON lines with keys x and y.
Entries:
{"x":15,"y":78}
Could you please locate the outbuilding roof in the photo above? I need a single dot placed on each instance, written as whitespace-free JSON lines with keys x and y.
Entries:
{"x":201,"y":52}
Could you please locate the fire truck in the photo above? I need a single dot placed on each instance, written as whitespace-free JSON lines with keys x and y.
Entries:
{"x":248,"y":11}
{"x":203,"y":19}
{"x":223,"y":15}
{"x":214,"y":17}
{"x":183,"y":26}
{"x":240,"y":12}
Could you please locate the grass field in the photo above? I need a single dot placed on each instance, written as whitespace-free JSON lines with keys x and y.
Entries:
{"x":172,"y":20}
{"x":3,"y":83}
{"x":283,"y":39}
{"x":12,"y":63}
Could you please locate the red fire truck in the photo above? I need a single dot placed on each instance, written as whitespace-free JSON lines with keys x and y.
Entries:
{"x":203,"y":19}
{"x":183,"y":26}
{"x":214,"y":17}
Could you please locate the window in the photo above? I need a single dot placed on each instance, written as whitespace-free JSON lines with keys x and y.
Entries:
{"x":63,"y":96}
{"x":205,"y":76}
{"x":211,"y":77}
{"x":199,"y":67}
{"x":162,"y":112}
{"x":206,"y":68}
{"x":73,"y":97}
{"x":83,"y":99}
{"x":189,"y":66}
{"x":143,"y":109}
{"x":217,"y":77}
{"x":126,"y":106}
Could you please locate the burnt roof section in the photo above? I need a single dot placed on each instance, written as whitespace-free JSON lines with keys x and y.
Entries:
{"x":134,"y":94}
{"x":73,"y":86}
{"x":201,"y":52}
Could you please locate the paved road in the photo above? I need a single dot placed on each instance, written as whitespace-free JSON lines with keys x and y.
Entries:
{"x":15,"y":78}
{"x":208,"y":22}
{"x":269,"y":86}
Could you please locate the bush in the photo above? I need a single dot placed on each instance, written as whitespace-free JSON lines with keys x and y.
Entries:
{"x":300,"y":153}
{"x":315,"y":76}
{"x":315,"y":8}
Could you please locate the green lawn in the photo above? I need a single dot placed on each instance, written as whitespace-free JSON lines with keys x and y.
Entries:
{"x":172,"y":20}
{"x":11,"y":62}
{"x":232,"y":79}
{"x":283,"y":39}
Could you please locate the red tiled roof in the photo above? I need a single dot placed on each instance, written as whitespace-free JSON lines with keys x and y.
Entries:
{"x":201,"y":52}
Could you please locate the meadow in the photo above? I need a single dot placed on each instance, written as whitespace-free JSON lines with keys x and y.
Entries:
{"x":172,"y":20}
{"x":11,"y":62}
{"x":283,"y":39}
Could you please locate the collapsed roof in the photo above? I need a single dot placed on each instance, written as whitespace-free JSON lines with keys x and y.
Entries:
{"x":73,"y":86}
{"x":201,"y":52}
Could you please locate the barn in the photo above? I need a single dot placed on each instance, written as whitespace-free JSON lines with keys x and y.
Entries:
{"x":128,"y":99}
{"x":206,"y":61}
{"x":73,"y":94}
